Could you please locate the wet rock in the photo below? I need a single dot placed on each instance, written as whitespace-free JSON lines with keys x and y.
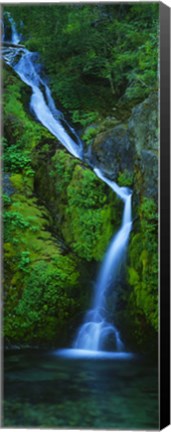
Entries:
{"x":7,"y":186}
{"x":143,"y":125}
{"x":144,"y":137}
{"x":113,"y":152}
{"x":132,"y":148}
{"x":149,"y":168}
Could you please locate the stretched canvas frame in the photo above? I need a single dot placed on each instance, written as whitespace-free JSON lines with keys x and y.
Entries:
{"x":164,"y":221}
{"x":164,"y":305}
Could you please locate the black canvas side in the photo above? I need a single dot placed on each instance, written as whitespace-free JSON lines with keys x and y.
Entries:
{"x":164,"y":216}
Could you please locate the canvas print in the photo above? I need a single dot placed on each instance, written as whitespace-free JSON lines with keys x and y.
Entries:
{"x":80,"y":190}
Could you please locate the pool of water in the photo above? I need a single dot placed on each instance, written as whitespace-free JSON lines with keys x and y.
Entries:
{"x":46,"y":390}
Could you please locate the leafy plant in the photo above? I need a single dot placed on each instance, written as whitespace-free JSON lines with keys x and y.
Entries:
{"x":125,"y":178}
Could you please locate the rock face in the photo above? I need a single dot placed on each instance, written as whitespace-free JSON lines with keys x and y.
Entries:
{"x":143,"y":135}
{"x":113,"y":151}
{"x":143,"y":125}
{"x":132,"y":147}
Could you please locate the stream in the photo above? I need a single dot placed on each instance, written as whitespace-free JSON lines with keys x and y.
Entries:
{"x":42,"y":390}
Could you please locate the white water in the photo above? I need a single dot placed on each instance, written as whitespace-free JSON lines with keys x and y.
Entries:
{"x":15,"y":37}
{"x":90,"y":354}
{"x":2,"y":30}
{"x":41,"y":103}
{"x":95,"y":330}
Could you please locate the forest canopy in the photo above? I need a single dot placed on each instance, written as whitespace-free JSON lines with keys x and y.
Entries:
{"x":94,"y":54}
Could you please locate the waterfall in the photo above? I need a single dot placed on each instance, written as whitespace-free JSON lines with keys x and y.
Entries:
{"x":95,"y":331}
{"x":42,"y":105}
{"x":2,"y":30}
{"x":15,"y":37}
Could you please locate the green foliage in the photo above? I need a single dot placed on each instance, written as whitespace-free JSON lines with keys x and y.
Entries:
{"x":84,"y":118}
{"x":102,"y":52}
{"x":143,"y":270}
{"x":148,"y":212}
{"x":20,"y":132}
{"x":125,"y":178}
{"x":90,"y":133}
{"x":40,"y":283}
{"x":62,"y":167}
{"x":46,"y":299}
{"x":83,"y":209}
{"x":6,"y":200}
{"x":14,"y":158}
{"x":24,"y":261}
{"x":14,"y":218}
{"x":90,"y":215}
{"x":38,"y":297}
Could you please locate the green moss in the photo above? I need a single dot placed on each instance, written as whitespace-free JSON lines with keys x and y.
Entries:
{"x":46,"y":299}
{"x":17,"y":182}
{"x":89,"y":133}
{"x":89,"y":215}
{"x":125,"y":178}
{"x":40,"y":282}
{"x":20,"y":131}
{"x":83,"y":209}
{"x":133,"y":277}
{"x":41,"y":278}
{"x":143,"y":270}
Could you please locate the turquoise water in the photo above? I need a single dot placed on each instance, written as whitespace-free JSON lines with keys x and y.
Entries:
{"x":43,"y":390}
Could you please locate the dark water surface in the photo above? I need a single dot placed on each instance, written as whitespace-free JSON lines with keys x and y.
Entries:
{"x":42,"y":390}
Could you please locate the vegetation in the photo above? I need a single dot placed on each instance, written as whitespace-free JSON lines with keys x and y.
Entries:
{"x":42,"y":293}
{"x":58,"y":216}
{"x":39,"y":278}
{"x":143,"y":273}
{"x":125,"y":178}
{"x":102,"y":52}
{"x":88,"y":214}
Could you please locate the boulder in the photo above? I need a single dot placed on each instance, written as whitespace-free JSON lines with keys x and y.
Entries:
{"x":132,"y":148}
{"x":144,"y":138}
{"x":143,"y":125}
{"x":113,"y":152}
{"x":7,"y":186}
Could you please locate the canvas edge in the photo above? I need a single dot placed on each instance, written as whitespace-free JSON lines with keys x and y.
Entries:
{"x":164,"y":237}
{"x":1,"y":243}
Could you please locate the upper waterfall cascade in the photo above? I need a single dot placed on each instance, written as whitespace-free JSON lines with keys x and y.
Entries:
{"x":42,"y":105}
{"x":95,"y":330}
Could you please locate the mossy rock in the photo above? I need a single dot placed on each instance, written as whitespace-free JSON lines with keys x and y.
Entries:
{"x":84,"y":209}
{"x":112,"y":151}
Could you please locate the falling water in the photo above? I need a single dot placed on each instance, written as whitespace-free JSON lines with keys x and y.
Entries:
{"x":42,"y":105}
{"x":96,"y":330}
{"x":2,"y":30}
{"x":15,"y":37}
